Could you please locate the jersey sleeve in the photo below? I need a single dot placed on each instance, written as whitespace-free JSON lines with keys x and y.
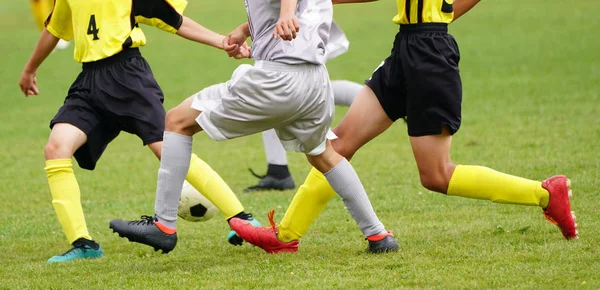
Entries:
{"x":164,"y":14}
{"x":59,"y":22}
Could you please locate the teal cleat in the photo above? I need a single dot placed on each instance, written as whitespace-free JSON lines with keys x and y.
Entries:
{"x":233,"y":237}
{"x":82,"y":249}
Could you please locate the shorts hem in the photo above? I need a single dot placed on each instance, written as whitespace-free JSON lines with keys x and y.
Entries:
{"x":453,"y":130}
{"x":152,"y":140}
{"x":209,"y":127}
{"x":86,"y":129}
{"x":298,"y":146}
{"x":385,"y":109}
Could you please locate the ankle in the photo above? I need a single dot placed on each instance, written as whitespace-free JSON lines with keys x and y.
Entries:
{"x":278,"y":171}
{"x":166,"y":227}
{"x":242,"y":215}
{"x":83,"y":241}
{"x":379,"y":237}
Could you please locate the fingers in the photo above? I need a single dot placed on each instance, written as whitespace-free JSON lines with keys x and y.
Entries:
{"x":244,"y":53}
{"x":31,"y":92}
{"x":227,"y":45}
{"x":287,"y":29}
{"x":233,"y":50}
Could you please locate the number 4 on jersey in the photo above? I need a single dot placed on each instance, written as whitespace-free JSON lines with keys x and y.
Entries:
{"x":92,"y":28}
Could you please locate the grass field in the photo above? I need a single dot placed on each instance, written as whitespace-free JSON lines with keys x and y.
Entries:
{"x":531,"y":78}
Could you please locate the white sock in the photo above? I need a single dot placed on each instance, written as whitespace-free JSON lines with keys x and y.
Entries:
{"x":174,"y":165}
{"x":344,"y":91}
{"x":273,"y":149}
{"x":344,"y":180}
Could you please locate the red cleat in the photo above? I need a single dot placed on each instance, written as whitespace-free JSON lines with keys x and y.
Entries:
{"x":263,"y":237}
{"x":559,"y":211}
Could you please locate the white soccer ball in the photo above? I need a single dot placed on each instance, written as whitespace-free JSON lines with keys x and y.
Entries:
{"x":193,"y":206}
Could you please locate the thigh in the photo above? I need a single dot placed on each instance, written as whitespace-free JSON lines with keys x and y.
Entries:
{"x":78,"y":108}
{"x":224,"y":115}
{"x":131,"y":99}
{"x":388,"y":83}
{"x":89,"y":154}
{"x":254,"y":100}
{"x":64,"y":140}
{"x":80,"y":112}
{"x":182,"y":118}
{"x":310,"y":123}
{"x":434,"y":85}
{"x":364,"y":121}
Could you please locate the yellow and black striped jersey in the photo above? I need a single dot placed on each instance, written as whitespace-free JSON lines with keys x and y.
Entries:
{"x":424,"y":11}
{"x":103,"y":28}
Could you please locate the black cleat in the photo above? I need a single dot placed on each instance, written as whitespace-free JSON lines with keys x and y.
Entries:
{"x":269,"y":182}
{"x":382,"y":243}
{"x":145,"y":231}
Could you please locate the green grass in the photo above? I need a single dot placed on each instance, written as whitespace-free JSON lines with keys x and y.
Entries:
{"x":531,"y":76}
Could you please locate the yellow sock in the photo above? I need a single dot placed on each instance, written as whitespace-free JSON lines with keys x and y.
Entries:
{"x":484,"y":183}
{"x":307,"y":204}
{"x":208,"y":182}
{"x":65,"y":198}
{"x":41,"y":9}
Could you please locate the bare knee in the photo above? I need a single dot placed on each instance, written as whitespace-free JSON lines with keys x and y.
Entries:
{"x":180,"y":123}
{"x":326,"y":160}
{"x":58,"y":150}
{"x":343,"y":146}
{"x":436,"y":179}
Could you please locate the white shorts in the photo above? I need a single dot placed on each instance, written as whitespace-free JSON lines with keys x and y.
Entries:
{"x":295,"y":100}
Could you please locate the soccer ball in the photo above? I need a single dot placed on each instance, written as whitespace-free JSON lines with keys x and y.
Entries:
{"x":193,"y":206}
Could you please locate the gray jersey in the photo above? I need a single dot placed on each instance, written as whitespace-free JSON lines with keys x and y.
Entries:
{"x":314,"y":17}
{"x":338,"y":43}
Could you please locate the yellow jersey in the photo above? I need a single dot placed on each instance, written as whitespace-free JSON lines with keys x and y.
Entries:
{"x":103,"y":28}
{"x":424,"y":11}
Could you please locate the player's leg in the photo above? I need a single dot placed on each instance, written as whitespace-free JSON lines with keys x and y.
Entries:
{"x":76,"y":131}
{"x":210,"y":184}
{"x":64,"y":140}
{"x":340,"y":174}
{"x":160,"y":231}
{"x":434,"y":115}
{"x":182,"y":122}
{"x":364,"y":121}
{"x":345,"y":91}
{"x":343,"y":179}
{"x":278,"y":176}
{"x":439,"y":174}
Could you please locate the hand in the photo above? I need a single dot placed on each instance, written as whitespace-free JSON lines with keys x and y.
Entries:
{"x":230,"y":47}
{"x":287,"y":26}
{"x":28,"y":84}
{"x":245,"y":52}
{"x":235,"y":43}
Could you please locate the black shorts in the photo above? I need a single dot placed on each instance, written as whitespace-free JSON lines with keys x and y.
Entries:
{"x":115,"y":94}
{"x":420,"y":80}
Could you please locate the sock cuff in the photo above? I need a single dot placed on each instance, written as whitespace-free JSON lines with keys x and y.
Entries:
{"x":456,"y":179}
{"x":180,"y":137}
{"x":317,"y":173}
{"x":278,"y":171}
{"x":58,"y":163}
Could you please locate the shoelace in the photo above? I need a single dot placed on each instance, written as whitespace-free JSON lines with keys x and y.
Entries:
{"x":76,"y":246}
{"x":272,"y":221}
{"x":146,"y":220}
{"x":256,"y":174}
